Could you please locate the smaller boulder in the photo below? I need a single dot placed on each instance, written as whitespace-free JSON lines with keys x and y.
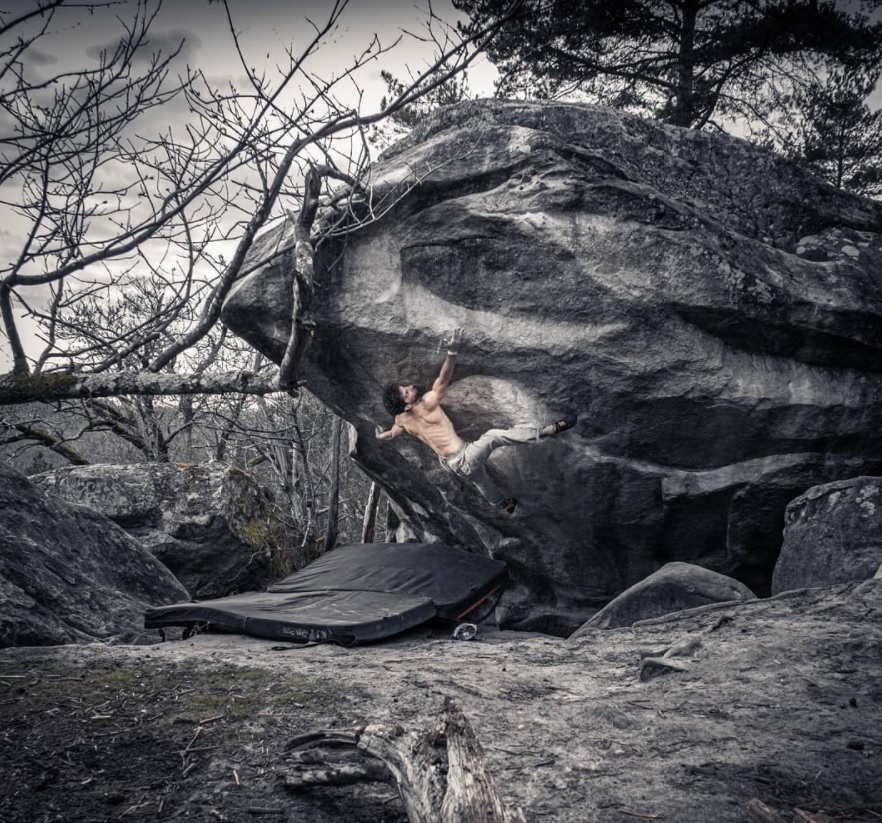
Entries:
{"x":673,"y":588}
{"x":831,"y":535}
{"x":207,"y":523}
{"x":71,"y":575}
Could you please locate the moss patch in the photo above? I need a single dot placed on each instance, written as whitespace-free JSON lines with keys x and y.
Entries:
{"x":177,"y":690}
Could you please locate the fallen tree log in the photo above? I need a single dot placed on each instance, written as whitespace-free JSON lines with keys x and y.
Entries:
{"x":759,"y":812}
{"x":16,"y":389}
{"x":440,"y":772}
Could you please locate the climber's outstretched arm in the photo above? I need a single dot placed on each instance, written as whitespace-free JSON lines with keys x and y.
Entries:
{"x":395,"y":431}
{"x":445,"y":377}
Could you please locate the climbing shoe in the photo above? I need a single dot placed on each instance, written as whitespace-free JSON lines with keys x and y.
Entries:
{"x":566,"y":422}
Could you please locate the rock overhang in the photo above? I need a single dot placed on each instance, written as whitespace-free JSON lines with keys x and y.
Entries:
{"x":664,"y":284}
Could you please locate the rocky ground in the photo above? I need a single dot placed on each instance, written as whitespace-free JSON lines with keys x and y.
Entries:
{"x":681,"y":719}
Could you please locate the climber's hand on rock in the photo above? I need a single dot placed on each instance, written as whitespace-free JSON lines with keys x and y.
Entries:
{"x":455,"y":340}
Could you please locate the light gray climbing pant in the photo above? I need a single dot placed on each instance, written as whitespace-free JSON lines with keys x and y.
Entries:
{"x":469,"y":461}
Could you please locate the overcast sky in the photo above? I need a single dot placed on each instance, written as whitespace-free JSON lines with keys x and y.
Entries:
{"x":266,"y":30}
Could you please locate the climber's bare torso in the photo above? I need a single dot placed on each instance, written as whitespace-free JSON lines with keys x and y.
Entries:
{"x":423,"y":416}
{"x":426,"y":420}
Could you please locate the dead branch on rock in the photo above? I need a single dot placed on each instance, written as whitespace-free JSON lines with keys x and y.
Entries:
{"x":804,"y":816}
{"x":302,"y":282}
{"x":308,"y":777}
{"x":25,"y":431}
{"x":759,"y":812}
{"x":440,"y":772}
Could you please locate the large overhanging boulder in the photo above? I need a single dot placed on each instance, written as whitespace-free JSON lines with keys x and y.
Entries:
{"x":711,"y":312}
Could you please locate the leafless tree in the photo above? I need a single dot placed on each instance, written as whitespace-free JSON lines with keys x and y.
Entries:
{"x":133,"y":236}
{"x":101,"y":203}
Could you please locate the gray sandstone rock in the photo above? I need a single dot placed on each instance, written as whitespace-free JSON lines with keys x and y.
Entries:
{"x":204,"y":522}
{"x":673,"y":588}
{"x":69,"y":574}
{"x":711,"y":312}
{"x":832,"y":535}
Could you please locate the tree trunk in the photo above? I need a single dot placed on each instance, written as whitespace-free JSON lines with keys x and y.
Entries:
{"x":334,"y":493}
{"x":685,"y":108}
{"x":302,"y":324}
{"x":185,"y":409}
{"x":20,"y":360}
{"x":369,"y":524}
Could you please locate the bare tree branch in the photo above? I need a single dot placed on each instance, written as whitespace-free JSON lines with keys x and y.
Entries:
{"x":50,"y":441}
{"x":177,"y":190}
{"x":16,"y":389}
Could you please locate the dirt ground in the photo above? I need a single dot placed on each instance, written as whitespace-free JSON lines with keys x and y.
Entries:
{"x":779,"y":700}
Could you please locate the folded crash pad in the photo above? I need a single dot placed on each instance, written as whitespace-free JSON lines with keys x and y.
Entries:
{"x":352,"y":594}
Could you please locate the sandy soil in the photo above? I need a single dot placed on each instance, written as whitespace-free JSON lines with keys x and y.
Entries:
{"x":779,"y":699}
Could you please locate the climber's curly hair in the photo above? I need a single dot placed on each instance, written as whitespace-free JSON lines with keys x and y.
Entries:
{"x":392,"y":401}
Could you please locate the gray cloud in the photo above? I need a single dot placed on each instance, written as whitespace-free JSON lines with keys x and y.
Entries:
{"x":35,"y":57}
{"x":161,"y":42}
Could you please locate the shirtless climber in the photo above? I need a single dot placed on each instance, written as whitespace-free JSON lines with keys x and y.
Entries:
{"x":420,"y":414}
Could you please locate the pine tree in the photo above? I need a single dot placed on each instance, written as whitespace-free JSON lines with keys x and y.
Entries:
{"x":687,"y":62}
{"x":840,"y":136}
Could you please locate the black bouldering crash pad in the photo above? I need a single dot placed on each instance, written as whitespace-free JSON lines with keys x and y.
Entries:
{"x":352,"y":594}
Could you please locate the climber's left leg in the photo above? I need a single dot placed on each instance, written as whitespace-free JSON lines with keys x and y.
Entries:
{"x":485,"y":484}
{"x":476,"y":454}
